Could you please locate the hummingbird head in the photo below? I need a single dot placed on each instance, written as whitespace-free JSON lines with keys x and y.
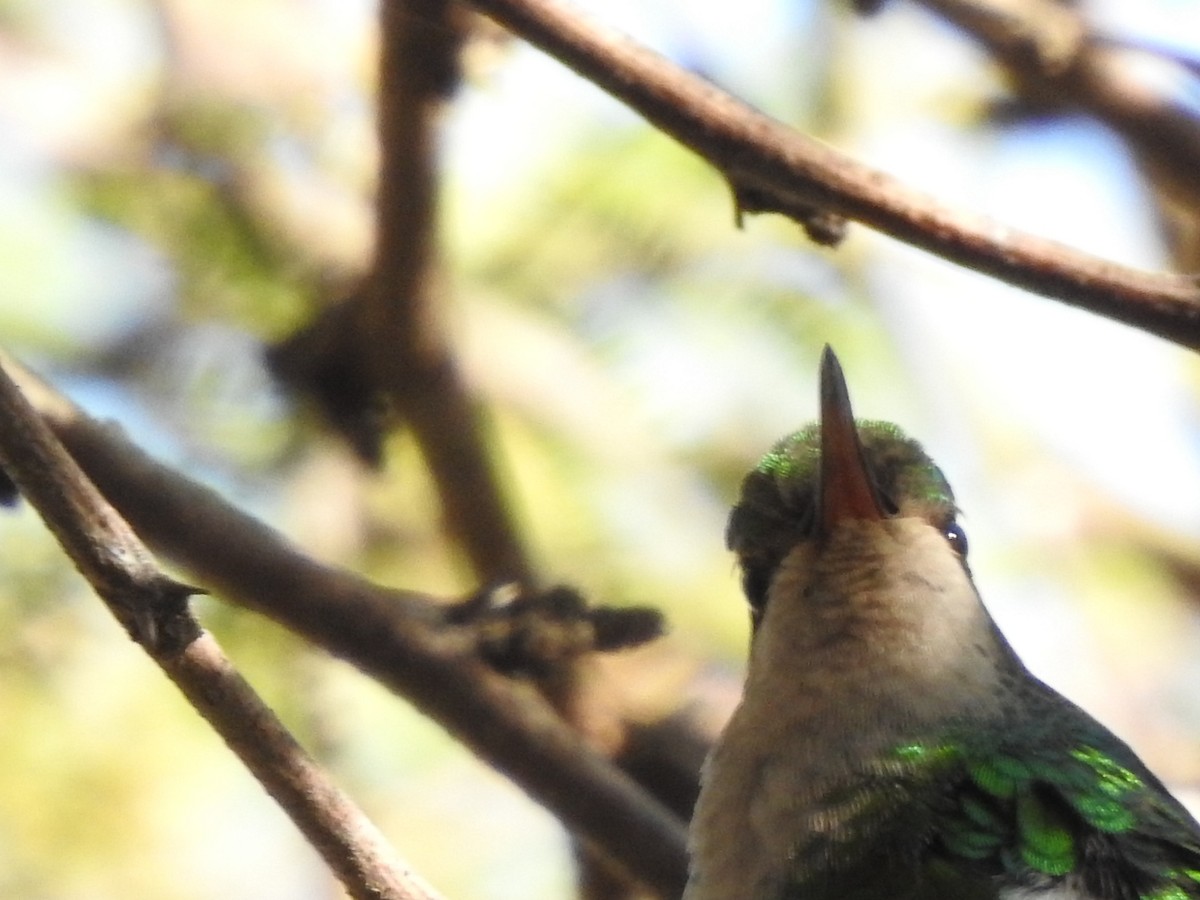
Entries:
{"x":830,"y":473}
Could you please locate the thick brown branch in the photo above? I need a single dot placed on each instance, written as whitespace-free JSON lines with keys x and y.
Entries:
{"x":790,"y":173}
{"x":393,"y":636}
{"x":153,"y":608}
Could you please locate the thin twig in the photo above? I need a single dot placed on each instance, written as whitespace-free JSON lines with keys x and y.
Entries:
{"x":775,"y":168}
{"x":347,"y":840}
{"x":391,"y":635}
{"x":153,"y":607}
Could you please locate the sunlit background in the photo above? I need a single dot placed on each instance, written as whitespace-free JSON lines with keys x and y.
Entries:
{"x":182,"y":181}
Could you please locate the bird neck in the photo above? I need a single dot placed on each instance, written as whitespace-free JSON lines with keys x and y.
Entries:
{"x":873,"y":640}
{"x":869,"y":642}
{"x":890,"y":629}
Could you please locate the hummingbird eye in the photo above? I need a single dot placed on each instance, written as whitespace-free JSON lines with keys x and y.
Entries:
{"x":889,"y":505}
{"x":756,"y":581}
{"x":957,"y":539}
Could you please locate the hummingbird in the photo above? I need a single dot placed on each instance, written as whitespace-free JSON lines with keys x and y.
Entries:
{"x":889,"y":744}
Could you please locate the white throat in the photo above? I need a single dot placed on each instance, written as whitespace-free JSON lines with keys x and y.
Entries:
{"x":874,"y":637}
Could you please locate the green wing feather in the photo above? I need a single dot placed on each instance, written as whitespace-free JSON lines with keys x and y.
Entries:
{"x":1066,"y":800}
{"x":968,"y":815}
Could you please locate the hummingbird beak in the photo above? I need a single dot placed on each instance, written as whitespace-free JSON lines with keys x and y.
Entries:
{"x":845,"y":490}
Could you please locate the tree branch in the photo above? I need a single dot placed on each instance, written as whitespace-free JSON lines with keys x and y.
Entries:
{"x":774,"y":168}
{"x":1055,"y":60}
{"x":153,"y":608}
{"x":388,"y":342}
{"x":394,"y":636}
{"x":400,"y":318}
{"x":394,"y":340}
